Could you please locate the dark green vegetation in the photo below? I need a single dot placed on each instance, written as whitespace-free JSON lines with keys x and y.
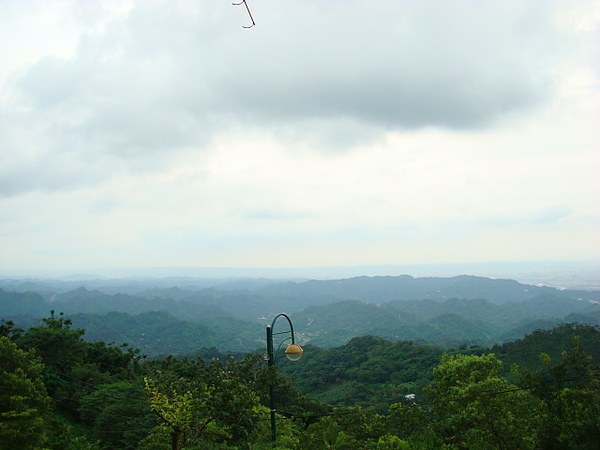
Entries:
{"x":389,"y":363}
{"x":231,"y":314}
{"x":61,"y":392}
{"x":367,"y":371}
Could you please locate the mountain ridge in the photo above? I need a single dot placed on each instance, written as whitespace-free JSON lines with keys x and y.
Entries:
{"x":460,"y":310}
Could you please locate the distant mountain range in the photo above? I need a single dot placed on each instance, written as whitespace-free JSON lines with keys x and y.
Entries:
{"x":181,"y":315}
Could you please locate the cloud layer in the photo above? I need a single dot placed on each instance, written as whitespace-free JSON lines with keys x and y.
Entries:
{"x":164,"y":76}
{"x":321,"y":119}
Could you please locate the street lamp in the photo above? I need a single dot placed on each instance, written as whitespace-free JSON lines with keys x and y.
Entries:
{"x":293,"y":352}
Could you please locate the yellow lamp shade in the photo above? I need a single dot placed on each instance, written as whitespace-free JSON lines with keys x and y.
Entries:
{"x":293,"y":352}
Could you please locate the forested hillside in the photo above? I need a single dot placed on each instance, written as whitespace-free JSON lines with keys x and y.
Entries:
{"x":370,"y":371}
{"x":61,"y":392}
{"x":450,"y":322}
{"x":231,"y":314}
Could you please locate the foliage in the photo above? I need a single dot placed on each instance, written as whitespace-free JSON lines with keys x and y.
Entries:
{"x":478,"y":408}
{"x":347,"y":428}
{"x":391,"y":442}
{"x":24,"y":403}
{"x":64,"y":435}
{"x":406,"y":420}
{"x":8,"y":329}
{"x":118,"y":414}
{"x":107,"y":397}
{"x":367,"y":371}
{"x":525,"y":352}
{"x":162,"y":332}
{"x":569,"y":392}
{"x":216,"y":405}
{"x":71,"y":365}
{"x":59,"y":346}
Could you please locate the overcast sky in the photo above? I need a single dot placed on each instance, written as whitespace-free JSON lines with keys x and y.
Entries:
{"x":332,"y":133}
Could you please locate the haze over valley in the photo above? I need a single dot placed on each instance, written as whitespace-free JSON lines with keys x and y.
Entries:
{"x":186,"y":314}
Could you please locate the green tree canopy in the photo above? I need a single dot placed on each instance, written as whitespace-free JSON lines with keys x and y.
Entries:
{"x":569,"y":392}
{"x":24,"y":403}
{"x":478,"y":408}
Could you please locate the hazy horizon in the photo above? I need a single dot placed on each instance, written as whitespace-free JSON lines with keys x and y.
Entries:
{"x":560,"y":274}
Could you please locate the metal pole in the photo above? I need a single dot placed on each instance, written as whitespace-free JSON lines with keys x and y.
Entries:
{"x":271,"y":360}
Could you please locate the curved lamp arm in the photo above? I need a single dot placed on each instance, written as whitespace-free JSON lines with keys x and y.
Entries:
{"x":293,"y":351}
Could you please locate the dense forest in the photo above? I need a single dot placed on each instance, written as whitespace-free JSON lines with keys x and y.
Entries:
{"x":389,"y":363}
{"x":60,"y":391}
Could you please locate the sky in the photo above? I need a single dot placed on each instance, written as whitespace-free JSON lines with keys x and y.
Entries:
{"x":164,"y":134}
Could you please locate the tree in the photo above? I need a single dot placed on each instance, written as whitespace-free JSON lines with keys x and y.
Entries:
{"x":24,"y":403}
{"x":8,"y":329}
{"x":327,"y":434}
{"x":122,"y":408}
{"x":478,"y":408}
{"x":390,"y":442}
{"x":405,"y":420}
{"x":346,"y":428}
{"x":59,"y":346}
{"x":569,"y":392}
{"x":218,"y":405}
{"x":72,"y":366}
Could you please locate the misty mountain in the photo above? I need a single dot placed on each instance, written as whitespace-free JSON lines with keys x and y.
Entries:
{"x":386,"y":289}
{"x":133,"y":286}
{"x":231,"y":314}
{"x":82,"y":300}
{"x":22,"y":303}
{"x":161,"y":333}
{"x":448,"y":322}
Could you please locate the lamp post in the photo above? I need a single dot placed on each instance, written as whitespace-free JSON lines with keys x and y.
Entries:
{"x":293,"y":353}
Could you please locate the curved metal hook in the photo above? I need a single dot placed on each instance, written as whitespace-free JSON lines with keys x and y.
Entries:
{"x":247,"y":9}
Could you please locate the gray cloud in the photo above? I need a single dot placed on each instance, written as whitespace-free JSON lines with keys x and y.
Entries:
{"x":55,"y":169}
{"x":169,"y":76}
{"x":402,"y":64}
